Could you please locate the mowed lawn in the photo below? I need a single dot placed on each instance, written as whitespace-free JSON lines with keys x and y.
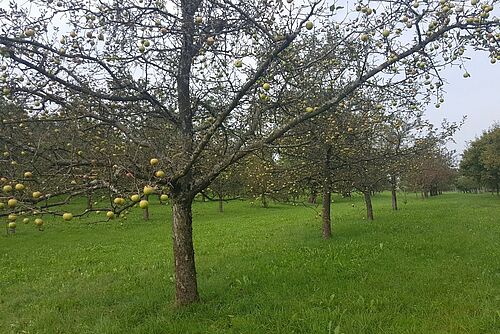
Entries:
{"x":432,"y":267}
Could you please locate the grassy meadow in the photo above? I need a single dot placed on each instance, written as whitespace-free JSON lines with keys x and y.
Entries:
{"x":431,"y":267}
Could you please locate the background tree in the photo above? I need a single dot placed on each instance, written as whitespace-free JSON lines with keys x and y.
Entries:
{"x":481,"y":160}
{"x":432,"y":172}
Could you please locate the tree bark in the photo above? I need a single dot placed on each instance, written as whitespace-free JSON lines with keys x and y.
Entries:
{"x":264,"y":200}
{"x":186,"y":287}
{"x":369,"y":207}
{"x":327,"y":195}
{"x":221,"y":204}
{"x":393,"y":193}
{"x":312,"y":196}
{"x":89,"y":200}
{"x":327,"y":223}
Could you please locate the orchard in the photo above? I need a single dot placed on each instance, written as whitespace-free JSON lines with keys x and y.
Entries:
{"x":123,"y":102}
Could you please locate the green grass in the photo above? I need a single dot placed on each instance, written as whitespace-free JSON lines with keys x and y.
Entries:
{"x":432,"y":267}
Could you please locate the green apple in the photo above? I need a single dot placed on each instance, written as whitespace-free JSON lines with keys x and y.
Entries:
{"x":7,"y":188}
{"x":19,"y":187}
{"x":29,"y":32}
{"x":309,"y":25}
{"x":266,"y":86}
{"x":238,"y":63}
{"x":135,"y":198}
{"x":12,"y":225}
{"x":164,"y":197}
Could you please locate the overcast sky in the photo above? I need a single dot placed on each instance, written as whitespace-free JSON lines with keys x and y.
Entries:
{"x":477,"y":97}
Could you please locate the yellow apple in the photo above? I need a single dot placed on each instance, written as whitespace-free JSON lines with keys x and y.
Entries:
{"x":110,"y":214}
{"x":135,"y":198}
{"x":12,"y":202}
{"x":143,"y":204}
{"x":67,"y":216}
{"x":37,"y":195}
{"x":160,"y":173}
{"x":154,"y":162}
{"x":148,"y":190}
{"x":7,"y":189}
{"x":119,"y":201}
{"x":28,"y":174}
{"x":19,"y":187}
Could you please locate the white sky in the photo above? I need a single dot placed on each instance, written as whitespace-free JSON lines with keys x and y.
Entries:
{"x":478,"y":97}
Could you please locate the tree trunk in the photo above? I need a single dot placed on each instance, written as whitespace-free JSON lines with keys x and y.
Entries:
{"x":313,"y":196}
{"x":327,"y":195}
{"x":264,"y":201}
{"x":327,"y":223}
{"x":89,"y":200}
{"x":146,"y":210}
{"x":393,"y":193}
{"x":186,"y":287}
{"x":221,"y":204}
{"x":369,"y":208}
